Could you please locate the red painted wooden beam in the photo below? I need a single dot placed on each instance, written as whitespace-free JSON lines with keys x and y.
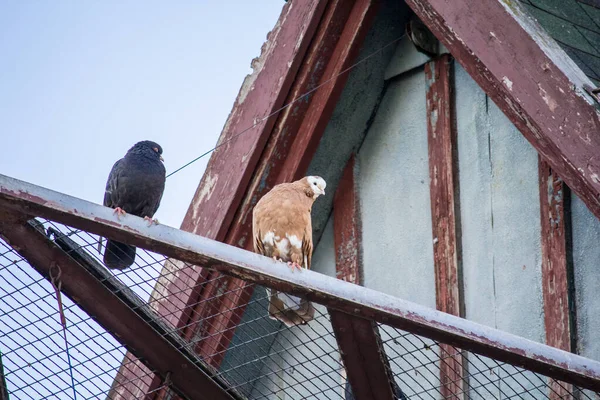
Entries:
{"x":231,"y":166}
{"x":362,"y":352}
{"x":290,"y":149}
{"x":367,"y":368}
{"x":220,"y":327}
{"x":347,"y":227}
{"x":533,"y":81}
{"x":441,"y":141}
{"x":555,"y":276}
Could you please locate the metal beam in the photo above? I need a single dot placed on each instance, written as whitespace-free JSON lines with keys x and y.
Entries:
{"x":526,"y":73}
{"x":130,"y":321}
{"x":554,"y":217}
{"x":333,"y":293}
{"x":367,"y":368}
{"x":441,"y":143}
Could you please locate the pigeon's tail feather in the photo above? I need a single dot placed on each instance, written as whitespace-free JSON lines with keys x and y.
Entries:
{"x":290,"y":310}
{"x":118,"y":255}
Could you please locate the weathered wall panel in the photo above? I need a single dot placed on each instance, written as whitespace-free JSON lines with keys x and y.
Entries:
{"x":394,"y":192}
{"x":586,"y":259}
{"x":499,"y":195}
{"x":396,"y":217}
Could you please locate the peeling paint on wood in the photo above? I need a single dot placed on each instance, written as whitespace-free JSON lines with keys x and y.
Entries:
{"x":292,"y":145}
{"x":231,"y":165}
{"x":265,"y":176}
{"x":347,"y":229}
{"x":545,"y":98}
{"x":441,"y":143}
{"x":555,"y":275}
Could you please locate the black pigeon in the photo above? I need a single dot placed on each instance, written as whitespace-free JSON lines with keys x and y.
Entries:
{"x":135,"y":185}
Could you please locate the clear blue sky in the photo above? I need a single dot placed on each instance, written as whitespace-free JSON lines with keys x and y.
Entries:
{"x":82,"y":81}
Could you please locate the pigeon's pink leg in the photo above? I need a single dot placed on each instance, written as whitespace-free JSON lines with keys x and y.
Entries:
{"x":120,"y":212}
{"x":294,"y":265}
{"x":151,"y":221}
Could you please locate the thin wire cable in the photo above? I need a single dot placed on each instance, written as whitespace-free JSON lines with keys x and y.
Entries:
{"x":235,"y":136}
{"x":56,"y":283}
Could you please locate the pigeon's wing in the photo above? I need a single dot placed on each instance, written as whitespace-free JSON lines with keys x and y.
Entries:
{"x":155,"y":194}
{"x":111,"y":187}
{"x":259,"y":246}
{"x":112,"y":184}
{"x":307,"y":244}
{"x":145,"y":185}
{"x":135,"y":187}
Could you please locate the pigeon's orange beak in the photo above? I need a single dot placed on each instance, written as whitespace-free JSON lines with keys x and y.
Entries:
{"x":161,"y":159}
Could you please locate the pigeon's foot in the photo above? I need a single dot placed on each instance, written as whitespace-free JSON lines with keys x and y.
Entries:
{"x":151,"y":221}
{"x":120,"y":212}
{"x":294,"y":265}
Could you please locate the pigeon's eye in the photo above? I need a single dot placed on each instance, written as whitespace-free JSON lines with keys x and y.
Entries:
{"x":315,"y":183}
{"x":156,"y":149}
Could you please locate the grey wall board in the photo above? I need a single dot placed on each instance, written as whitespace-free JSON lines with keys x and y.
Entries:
{"x":351,"y":118}
{"x":586,"y":259}
{"x":396,"y":222}
{"x":500,"y":224}
{"x":394,"y":194}
{"x":500,"y":216}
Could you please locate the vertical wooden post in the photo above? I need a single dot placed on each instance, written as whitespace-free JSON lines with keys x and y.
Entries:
{"x":358,"y":339}
{"x":441,"y":138}
{"x":347,"y":227}
{"x":554,"y":199}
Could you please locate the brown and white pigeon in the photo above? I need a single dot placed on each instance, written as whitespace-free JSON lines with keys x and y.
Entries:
{"x":135,"y":186}
{"x":282,"y":229}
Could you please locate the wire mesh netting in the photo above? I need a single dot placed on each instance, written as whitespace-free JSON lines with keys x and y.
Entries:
{"x":255,"y":356}
{"x":420,"y":365}
{"x":575,"y":25}
{"x":31,"y":343}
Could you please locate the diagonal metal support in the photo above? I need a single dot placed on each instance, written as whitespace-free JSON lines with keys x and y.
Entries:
{"x":114,"y":306}
{"x":25,"y":198}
